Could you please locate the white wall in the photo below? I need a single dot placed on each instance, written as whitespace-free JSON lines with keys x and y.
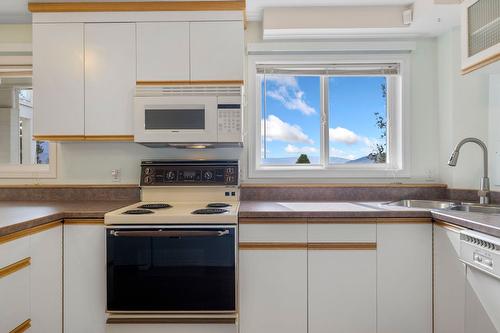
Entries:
{"x":463,"y":112}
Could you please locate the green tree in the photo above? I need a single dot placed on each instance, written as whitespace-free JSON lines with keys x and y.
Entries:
{"x":39,"y":151}
{"x":303,"y":159}
{"x":379,"y":154}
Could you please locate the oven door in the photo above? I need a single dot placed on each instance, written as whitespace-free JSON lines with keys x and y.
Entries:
{"x":175,"y":119}
{"x":169,"y":269}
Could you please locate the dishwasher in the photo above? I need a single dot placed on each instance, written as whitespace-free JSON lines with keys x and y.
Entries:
{"x":481,"y":255}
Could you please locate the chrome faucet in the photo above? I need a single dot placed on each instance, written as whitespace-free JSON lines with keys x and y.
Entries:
{"x":484,"y":186}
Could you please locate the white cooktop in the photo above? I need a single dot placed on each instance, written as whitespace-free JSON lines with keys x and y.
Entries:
{"x":179,"y":213}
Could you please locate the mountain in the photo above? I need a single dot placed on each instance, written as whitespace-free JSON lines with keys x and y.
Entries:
{"x":315,"y":160}
{"x":361,"y":160}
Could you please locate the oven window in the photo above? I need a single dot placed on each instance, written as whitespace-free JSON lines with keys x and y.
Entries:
{"x":185,"y":270}
{"x":175,"y":118}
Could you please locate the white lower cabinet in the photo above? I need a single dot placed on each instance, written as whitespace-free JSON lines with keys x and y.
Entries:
{"x":449,"y":281}
{"x":46,"y":281}
{"x":31,"y":282}
{"x":404,"y":277}
{"x":84,"y":278}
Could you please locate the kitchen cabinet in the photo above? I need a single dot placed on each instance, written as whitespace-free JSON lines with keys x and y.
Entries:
{"x":14,"y":283}
{"x":342,"y":278}
{"x":217,"y":50}
{"x":110,"y":77}
{"x":449,"y":280}
{"x":31,"y":280}
{"x":84,"y":276}
{"x":404,"y":276}
{"x":273,"y":278}
{"x":163,"y":51}
{"x":480,"y":33}
{"x":46,"y":280}
{"x":58,"y":79}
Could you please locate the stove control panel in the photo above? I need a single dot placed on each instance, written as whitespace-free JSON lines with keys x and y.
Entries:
{"x":180,"y":173}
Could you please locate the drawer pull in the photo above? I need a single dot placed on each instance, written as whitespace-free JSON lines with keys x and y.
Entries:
{"x":23,"y":327}
{"x":272,"y":246}
{"x":15,"y":267}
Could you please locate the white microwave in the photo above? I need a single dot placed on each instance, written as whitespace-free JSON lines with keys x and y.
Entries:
{"x":188,"y":116}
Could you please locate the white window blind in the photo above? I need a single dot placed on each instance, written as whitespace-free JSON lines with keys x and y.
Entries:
{"x":329,"y":69}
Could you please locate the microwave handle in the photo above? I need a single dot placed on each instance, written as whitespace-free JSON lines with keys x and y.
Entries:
{"x":168,"y":233}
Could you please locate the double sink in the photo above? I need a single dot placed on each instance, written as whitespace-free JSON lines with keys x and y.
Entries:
{"x":447,"y":205}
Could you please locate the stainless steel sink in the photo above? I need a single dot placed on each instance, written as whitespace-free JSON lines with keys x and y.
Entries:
{"x":475,"y":208}
{"x":425,"y":204}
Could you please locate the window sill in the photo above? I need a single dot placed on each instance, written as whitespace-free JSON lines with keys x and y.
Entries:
{"x":320,"y":172}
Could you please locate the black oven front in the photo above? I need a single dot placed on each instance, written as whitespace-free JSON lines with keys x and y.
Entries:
{"x":171,"y":269}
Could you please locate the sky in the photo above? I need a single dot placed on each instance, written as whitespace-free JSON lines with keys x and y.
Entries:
{"x":292,"y":109}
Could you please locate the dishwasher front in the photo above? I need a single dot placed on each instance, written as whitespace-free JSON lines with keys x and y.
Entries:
{"x":481,"y":255}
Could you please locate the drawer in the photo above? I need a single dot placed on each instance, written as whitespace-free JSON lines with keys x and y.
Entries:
{"x":273,"y":233}
{"x":14,"y":251}
{"x":14,"y":296}
{"x":345,"y":232}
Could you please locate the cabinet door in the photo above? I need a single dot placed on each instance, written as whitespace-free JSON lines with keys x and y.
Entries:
{"x":84,"y":278}
{"x":163,"y":51}
{"x":58,"y":79}
{"x":342,"y":291}
{"x":273,"y":291}
{"x":109,"y":78}
{"x":449,"y":282}
{"x":217,"y":50}
{"x":46,"y":281}
{"x":404,"y":277}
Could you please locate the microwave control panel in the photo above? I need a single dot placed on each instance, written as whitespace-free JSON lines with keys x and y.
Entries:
{"x":229,"y":119}
{"x":200,"y":173}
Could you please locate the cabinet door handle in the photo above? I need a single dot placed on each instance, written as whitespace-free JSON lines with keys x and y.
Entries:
{"x":15,"y":267}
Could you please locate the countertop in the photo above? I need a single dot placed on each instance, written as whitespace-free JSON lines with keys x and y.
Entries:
{"x":20,"y":215}
{"x":489,"y":224}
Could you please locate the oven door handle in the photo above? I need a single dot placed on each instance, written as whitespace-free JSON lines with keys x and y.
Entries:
{"x":168,"y":233}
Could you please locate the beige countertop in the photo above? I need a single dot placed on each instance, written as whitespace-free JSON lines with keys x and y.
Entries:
{"x":20,"y":215}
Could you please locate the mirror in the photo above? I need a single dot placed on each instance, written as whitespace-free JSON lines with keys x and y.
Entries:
{"x":17,"y":146}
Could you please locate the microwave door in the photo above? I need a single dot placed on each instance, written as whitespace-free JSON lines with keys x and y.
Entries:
{"x":176,"y":119}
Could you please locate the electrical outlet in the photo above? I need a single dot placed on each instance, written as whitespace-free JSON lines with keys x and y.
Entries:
{"x":116,"y":175}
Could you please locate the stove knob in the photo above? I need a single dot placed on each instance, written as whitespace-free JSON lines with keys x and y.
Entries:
{"x":148,"y":171}
{"x":208,"y":175}
{"x":170,"y":175}
{"x":148,"y":180}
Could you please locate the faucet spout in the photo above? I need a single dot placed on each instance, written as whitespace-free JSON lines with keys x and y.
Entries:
{"x":484,"y":186}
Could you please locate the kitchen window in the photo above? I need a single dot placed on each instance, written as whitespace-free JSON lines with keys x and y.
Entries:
{"x":326,"y":119}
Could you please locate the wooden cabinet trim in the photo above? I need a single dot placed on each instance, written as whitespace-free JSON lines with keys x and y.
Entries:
{"x":23,"y":327}
{"x":341,"y":220}
{"x":403,"y":220}
{"x":17,"y":266}
{"x":266,"y":220}
{"x":114,"y":138}
{"x":30,"y":231}
{"x":83,"y":221}
{"x":272,"y":246}
{"x":342,"y":246}
{"x":481,"y":64}
{"x":448,"y":226}
{"x":150,"y":6}
{"x":188,"y":82}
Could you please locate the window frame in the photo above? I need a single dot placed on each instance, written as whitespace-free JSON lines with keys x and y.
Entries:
{"x":20,"y":171}
{"x":398,"y":129}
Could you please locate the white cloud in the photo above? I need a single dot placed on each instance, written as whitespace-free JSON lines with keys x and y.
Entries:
{"x":289,"y":94}
{"x":343,"y":135}
{"x":334,"y":152}
{"x":303,"y":150}
{"x":277,"y":129}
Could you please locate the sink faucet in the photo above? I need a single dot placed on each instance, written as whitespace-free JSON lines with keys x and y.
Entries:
{"x":484,"y":186}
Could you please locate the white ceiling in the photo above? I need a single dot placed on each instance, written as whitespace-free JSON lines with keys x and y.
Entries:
{"x":429,"y":19}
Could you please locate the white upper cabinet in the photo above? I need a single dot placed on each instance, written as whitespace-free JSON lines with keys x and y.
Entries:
{"x":217,"y":50}
{"x":480,"y":33}
{"x":163,"y":51}
{"x":58,"y":79}
{"x":109,"y":78}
